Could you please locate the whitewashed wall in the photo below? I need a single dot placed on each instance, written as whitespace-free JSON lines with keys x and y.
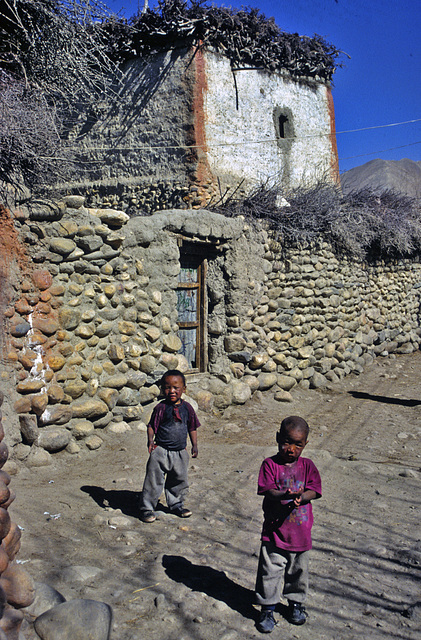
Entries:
{"x":246,"y":114}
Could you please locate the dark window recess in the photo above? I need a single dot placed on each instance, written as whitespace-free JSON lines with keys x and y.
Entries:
{"x":284,"y":129}
{"x":283,"y":123}
{"x":191,"y":307}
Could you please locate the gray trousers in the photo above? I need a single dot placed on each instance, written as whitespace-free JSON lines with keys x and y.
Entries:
{"x":165,"y":470}
{"x":276,"y":565}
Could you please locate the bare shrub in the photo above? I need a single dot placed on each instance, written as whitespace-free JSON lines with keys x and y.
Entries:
{"x":54,"y":62}
{"x":29,"y":135}
{"x":362,"y":224}
{"x":58,"y":46}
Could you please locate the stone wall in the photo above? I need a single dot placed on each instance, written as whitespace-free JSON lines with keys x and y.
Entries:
{"x":92,"y":321}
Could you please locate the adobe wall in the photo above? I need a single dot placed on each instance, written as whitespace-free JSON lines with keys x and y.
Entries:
{"x":91,"y":321}
{"x":184,"y":127}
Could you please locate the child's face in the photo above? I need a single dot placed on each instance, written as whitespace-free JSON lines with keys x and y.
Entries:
{"x":291,"y":443}
{"x":173,"y":388}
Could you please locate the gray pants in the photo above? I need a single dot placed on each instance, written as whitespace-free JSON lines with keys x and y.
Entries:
{"x":165,"y":470}
{"x":276,"y":565}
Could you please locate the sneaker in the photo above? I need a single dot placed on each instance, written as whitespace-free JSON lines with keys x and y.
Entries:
{"x":266,"y":621}
{"x":297,"y":613}
{"x":181,"y":512}
{"x":148,"y":516}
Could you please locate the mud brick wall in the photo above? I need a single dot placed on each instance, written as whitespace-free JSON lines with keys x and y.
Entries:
{"x":90,"y":319}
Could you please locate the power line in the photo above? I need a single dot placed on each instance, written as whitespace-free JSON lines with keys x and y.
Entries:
{"x":380,"y":126}
{"x":373,"y":153}
{"x":261,"y":141}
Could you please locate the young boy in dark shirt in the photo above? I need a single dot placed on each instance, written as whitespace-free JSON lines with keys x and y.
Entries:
{"x":288,"y":483}
{"x":171,"y":421}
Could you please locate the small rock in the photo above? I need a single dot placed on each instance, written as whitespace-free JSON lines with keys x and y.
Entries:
{"x":232,"y":428}
{"x":160,"y":601}
{"x":317,"y":380}
{"x":413,"y":612}
{"x":46,"y":597}
{"x":118,"y":427}
{"x":21,"y":451}
{"x":286,"y":382}
{"x":75,"y":620}
{"x":80,"y":573}
{"x":82,"y":429}
{"x":241,"y":392}
{"x":283,"y":396}
{"x":54,"y":439}
{"x":73,"y":448}
{"x":120,"y":522}
{"x":38,"y":457}
{"x":93,"y":442}
{"x":266,"y":381}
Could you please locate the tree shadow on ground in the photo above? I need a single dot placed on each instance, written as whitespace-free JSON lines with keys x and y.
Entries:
{"x":361,"y":395}
{"x":214,"y":583}
{"x":127,"y":501}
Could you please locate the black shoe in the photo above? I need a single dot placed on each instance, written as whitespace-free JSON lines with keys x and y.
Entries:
{"x":148,"y":516}
{"x":266,"y":621}
{"x":297,"y":613}
{"x":181,"y":512}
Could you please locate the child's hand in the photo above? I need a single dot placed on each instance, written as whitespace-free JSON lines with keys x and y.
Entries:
{"x":295,"y":496}
{"x":194,"y":451}
{"x":151,"y":446}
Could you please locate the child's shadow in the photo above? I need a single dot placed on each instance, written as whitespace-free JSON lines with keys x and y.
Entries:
{"x":212,"y":582}
{"x":127,"y":501}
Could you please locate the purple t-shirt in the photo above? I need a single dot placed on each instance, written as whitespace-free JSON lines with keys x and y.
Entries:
{"x":288,"y":527}
{"x":171,"y":423}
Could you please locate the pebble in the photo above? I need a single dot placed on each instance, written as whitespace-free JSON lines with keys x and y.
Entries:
{"x":160,"y":602}
{"x":408,"y":473}
{"x":120,"y":522}
{"x":79,"y":573}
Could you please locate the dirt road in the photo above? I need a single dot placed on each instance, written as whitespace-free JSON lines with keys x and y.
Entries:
{"x":193,"y":579}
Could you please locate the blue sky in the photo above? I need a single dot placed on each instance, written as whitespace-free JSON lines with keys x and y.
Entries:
{"x":381,"y":82}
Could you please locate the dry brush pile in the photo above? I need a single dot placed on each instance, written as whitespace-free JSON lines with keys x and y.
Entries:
{"x":362,"y":224}
{"x":245,"y":36}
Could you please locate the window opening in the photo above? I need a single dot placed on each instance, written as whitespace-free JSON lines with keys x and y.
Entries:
{"x":282,"y":125}
{"x":284,"y":129}
{"x":191,"y":307}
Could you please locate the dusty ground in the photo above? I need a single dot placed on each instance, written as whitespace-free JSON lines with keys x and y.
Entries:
{"x":193,"y":579}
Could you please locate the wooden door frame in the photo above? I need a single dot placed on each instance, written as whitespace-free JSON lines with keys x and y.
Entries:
{"x":199,"y":251}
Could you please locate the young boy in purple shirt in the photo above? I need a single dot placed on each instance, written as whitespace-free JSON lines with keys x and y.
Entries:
{"x":171,"y":421}
{"x":288,"y":483}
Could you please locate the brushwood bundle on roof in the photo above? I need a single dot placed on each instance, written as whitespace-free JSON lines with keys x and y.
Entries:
{"x":245,"y":36}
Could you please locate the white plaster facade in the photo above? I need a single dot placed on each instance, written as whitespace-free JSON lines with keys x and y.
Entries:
{"x":241,"y":136}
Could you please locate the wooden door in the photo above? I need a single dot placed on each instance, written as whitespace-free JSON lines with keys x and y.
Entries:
{"x":191,"y":307}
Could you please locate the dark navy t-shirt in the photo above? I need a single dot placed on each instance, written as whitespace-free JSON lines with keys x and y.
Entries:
{"x":172,"y":423}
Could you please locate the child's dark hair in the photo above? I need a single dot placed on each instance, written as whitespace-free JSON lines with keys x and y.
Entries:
{"x":172,"y":372}
{"x":294,"y":423}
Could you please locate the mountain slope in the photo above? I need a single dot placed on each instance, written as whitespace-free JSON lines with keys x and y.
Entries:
{"x":401,"y":176}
